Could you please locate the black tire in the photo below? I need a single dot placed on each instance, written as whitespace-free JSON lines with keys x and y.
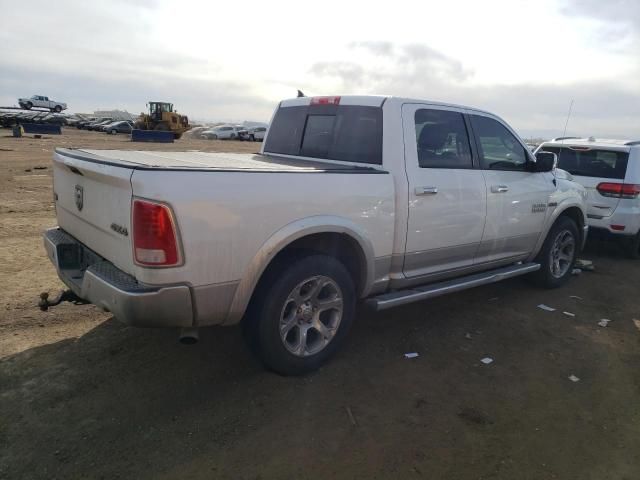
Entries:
{"x":28,"y":105}
{"x":161,"y":127}
{"x":252,"y":138}
{"x":214,"y":137}
{"x":262,"y":323}
{"x":57,"y":109}
{"x":545,"y":277}
{"x":114,"y":132}
{"x":233,"y":136}
{"x":633,"y":247}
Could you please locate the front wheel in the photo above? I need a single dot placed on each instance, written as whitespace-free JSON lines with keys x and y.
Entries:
{"x":558,"y":254}
{"x":57,"y":109}
{"x":114,"y":132}
{"x":28,"y":105}
{"x":301,"y":314}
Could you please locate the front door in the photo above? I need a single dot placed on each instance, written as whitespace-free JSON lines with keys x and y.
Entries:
{"x":517,"y":199}
{"x":447,"y":195}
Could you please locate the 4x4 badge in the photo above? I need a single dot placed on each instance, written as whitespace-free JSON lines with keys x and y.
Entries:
{"x":79,"y":197}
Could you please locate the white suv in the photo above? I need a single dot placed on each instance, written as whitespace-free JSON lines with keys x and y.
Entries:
{"x":610,"y":171}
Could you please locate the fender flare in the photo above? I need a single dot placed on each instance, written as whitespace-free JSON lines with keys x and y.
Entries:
{"x":559,"y":210}
{"x":284,"y":237}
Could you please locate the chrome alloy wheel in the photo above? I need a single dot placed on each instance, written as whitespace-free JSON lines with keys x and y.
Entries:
{"x":311,"y":316}
{"x":562,"y":253}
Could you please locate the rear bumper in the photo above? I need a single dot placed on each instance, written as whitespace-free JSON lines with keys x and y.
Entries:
{"x":100,"y":282}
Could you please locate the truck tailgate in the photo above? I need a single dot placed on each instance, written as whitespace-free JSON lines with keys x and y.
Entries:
{"x":93,"y":203}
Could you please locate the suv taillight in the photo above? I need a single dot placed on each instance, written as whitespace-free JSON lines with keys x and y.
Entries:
{"x":618,"y":190}
{"x":155,"y":241}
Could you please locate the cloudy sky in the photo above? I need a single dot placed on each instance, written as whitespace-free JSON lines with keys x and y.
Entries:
{"x":233,"y":61}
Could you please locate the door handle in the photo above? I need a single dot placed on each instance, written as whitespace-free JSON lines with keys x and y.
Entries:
{"x":426,"y":190}
{"x":499,"y":189}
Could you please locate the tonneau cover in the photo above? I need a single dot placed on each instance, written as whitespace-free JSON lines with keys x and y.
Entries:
{"x":196,"y":160}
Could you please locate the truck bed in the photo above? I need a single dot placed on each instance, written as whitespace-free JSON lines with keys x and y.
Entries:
{"x":194,"y":161}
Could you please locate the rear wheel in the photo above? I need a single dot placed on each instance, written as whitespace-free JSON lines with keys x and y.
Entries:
{"x":301,"y":314}
{"x":558,"y":254}
{"x":28,"y":105}
{"x":114,"y":131}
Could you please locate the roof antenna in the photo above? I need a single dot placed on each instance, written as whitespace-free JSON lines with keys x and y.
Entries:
{"x":564,"y":134}
{"x":300,"y":94}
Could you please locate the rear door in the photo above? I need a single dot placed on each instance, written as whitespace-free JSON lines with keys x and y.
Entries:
{"x":93,"y":204}
{"x":517,"y":199}
{"x":447,"y":195}
{"x":592,"y":167}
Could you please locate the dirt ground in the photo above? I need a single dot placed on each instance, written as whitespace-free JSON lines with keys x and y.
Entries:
{"x":82,"y":396}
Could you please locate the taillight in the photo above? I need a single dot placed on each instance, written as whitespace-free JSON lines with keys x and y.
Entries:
{"x":325,"y":101}
{"x":618,"y":190}
{"x":155,"y":241}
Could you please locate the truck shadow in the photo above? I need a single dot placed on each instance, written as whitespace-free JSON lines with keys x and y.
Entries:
{"x":121,"y":402}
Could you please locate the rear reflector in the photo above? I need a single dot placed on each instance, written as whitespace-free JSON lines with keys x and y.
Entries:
{"x":155,"y":241}
{"x":325,"y":101}
{"x":618,"y":190}
{"x":617,"y":227}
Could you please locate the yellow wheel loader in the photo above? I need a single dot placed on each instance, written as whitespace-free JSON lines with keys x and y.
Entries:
{"x":162,"y":117}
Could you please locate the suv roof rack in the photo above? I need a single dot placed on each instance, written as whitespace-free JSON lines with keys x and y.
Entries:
{"x":635,"y":142}
{"x":564,"y":138}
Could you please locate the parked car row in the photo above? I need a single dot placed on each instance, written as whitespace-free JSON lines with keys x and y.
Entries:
{"x":234,"y":132}
{"x":106,"y":124}
{"x":10,"y":118}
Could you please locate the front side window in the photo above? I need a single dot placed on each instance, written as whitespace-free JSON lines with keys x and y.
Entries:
{"x":499,"y":148}
{"x":442,"y":140}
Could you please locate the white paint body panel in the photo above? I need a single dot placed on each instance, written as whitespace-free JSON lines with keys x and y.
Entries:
{"x":235,"y":212}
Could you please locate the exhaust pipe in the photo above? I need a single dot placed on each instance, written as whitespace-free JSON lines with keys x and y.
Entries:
{"x":188,"y":336}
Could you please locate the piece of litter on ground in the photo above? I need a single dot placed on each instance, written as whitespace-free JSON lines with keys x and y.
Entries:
{"x":487,"y":360}
{"x":351,"y":417}
{"x":468,"y":335}
{"x":573,"y":378}
{"x":576,"y":297}
{"x":569,"y":314}
{"x":636,"y":323}
{"x":576,"y":271}
{"x":546,"y":307}
{"x":584,"y":265}
{"x":604,"y":322}
{"x":411,"y":355}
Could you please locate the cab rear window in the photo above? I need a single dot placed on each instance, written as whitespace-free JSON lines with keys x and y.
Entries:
{"x":592,"y":162}
{"x":349,"y":133}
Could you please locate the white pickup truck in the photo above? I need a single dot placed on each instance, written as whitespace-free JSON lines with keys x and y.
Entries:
{"x":40,"y":101}
{"x":381,"y":199}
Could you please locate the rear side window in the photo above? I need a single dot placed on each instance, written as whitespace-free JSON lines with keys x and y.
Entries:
{"x":591,"y":162}
{"x":442,"y":139}
{"x":349,"y":133}
{"x":499,"y":148}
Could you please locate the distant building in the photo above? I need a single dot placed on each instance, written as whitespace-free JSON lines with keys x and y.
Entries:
{"x":115,"y":114}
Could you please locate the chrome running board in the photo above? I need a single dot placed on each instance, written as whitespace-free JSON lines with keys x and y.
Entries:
{"x":415,"y":294}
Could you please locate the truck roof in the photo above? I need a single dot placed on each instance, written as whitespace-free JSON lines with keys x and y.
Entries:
{"x":592,"y":142}
{"x":373,"y":101}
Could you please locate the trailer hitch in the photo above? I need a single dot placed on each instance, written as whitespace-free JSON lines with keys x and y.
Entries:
{"x":63,"y":296}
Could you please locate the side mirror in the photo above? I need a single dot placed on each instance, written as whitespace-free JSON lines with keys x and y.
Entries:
{"x":545,"y":162}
